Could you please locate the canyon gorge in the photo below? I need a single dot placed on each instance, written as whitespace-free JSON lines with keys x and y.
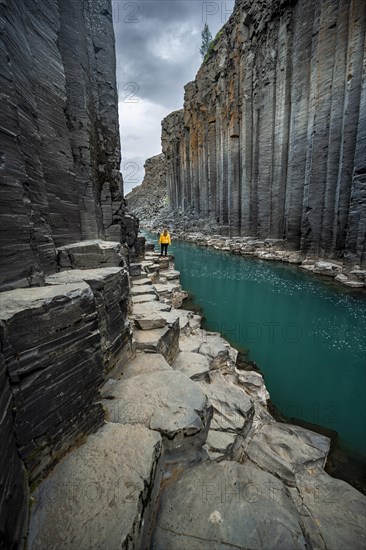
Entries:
{"x":271,"y":141}
{"x":123,"y":423}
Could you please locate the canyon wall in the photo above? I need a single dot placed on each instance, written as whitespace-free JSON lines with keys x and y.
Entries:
{"x":66,"y":239}
{"x":271,"y":142}
{"x":147,"y":200}
{"x":60,"y":148}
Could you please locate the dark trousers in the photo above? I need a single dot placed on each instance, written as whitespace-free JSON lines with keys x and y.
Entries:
{"x":164,"y":249}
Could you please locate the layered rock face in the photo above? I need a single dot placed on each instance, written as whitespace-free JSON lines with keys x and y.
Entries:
{"x":147,"y":200}
{"x":62,"y":209}
{"x":60,"y":150}
{"x":271,"y":142}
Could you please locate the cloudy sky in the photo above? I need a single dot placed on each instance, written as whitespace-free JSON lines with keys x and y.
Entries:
{"x":157,"y":45}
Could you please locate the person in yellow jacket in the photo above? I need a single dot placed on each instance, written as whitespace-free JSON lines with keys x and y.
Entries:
{"x":165,"y":241}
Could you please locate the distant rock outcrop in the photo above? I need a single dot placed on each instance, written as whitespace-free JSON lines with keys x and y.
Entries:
{"x":147,"y":200}
{"x":272,"y":139}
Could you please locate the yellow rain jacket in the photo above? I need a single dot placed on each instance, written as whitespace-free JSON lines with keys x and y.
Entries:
{"x":164,"y":239}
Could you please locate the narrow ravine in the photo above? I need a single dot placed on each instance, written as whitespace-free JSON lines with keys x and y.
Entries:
{"x":307,"y":335}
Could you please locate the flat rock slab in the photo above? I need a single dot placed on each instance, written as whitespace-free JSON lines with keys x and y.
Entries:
{"x":158,"y":320}
{"x":333,"y":512}
{"x":165,"y":400}
{"x":161,"y":340}
{"x":191,"y":342}
{"x":90,"y":255}
{"x":145,"y":363}
{"x":193,"y":365}
{"x":227,"y":506}
{"x":142,"y":281}
{"x":232,"y":408}
{"x":172,"y":275}
{"x":147,"y":309}
{"x":285,"y":449}
{"x":96,"y":497}
{"x":142,"y":289}
{"x":144,"y":298}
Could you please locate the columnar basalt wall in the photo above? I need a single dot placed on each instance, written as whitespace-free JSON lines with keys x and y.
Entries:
{"x":272,"y":138}
{"x":60,"y":149}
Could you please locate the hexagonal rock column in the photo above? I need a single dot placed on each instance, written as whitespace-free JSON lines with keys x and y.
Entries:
{"x":110,"y":286}
{"x":52,"y":350}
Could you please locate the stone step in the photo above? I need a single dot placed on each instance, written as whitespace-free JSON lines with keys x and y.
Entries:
{"x":141,"y":290}
{"x":141,"y":281}
{"x":161,"y":340}
{"x":141,"y":299}
{"x":101,"y":494}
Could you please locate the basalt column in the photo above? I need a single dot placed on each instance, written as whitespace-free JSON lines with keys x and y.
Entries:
{"x":277,"y":114}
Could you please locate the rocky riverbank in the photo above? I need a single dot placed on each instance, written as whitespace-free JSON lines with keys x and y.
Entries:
{"x":193,"y":231}
{"x":188,"y":455}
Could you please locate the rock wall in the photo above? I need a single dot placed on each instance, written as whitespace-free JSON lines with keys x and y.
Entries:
{"x":272,"y":142}
{"x":62,"y":209}
{"x":148,"y":199}
{"x":60,"y":149}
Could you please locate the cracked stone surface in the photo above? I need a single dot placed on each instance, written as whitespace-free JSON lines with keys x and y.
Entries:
{"x":164,"y":400}
{"x":226,"y":506}
{"x":285,"y":449}
{"x":96,"y":497}
{"x":194,"y":365}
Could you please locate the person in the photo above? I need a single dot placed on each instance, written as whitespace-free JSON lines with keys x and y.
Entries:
{"x":165,"y":241}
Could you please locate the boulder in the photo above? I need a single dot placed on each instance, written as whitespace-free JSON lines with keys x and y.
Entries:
{"x":91,"y":255}
{"x":52,"y":350}
{"x":163,"y":400}
{"x":101,"y":494}
{"x":224,"y":506}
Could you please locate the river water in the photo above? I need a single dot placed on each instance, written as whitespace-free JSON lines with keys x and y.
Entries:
{"x":307,"y":335}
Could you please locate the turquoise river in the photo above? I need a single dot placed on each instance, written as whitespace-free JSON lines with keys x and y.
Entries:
{"x":307,"y":335}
